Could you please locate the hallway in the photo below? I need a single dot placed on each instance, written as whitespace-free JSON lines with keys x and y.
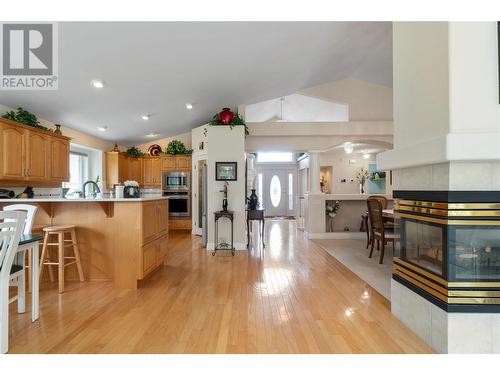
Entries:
{"x":293,"y":298}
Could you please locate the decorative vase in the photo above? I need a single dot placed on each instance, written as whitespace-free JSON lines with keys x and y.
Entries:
{"x":226,"y":116}
{"x":253,"y":201}
{"x":58,"y":129}
{"x":361,"y":188}
{"x":224,"y":204}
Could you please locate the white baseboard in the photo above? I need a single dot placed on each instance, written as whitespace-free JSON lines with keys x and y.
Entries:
{"x":336,"y":236}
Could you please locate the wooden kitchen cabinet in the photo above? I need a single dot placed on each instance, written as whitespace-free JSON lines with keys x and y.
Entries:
{"x":176,"y":163}
{"x":152,"y":172}
{"x":13,"y":150}
{"x":149,"y":257}
{"x":38,"y":156}
{"x":59,"y":160}
{"x":168,"y":163}
{"x":32,"y":156}
{"x":183,"y":162}
{"x":135,"y":170}
{"x":116,"y":168}
{"x":154,"y":234}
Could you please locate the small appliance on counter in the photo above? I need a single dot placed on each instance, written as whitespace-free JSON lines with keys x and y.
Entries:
{"x":27,"y":193}
{"x":131,"y":190}
{"x":6,"y":194}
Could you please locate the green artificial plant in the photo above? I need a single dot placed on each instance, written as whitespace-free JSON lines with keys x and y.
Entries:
{"x":176,"y":147}
{"x":24,"y":117}
{"x":134,"y":152}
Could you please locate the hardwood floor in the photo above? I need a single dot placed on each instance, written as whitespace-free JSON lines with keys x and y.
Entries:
{"x":293,"y":298}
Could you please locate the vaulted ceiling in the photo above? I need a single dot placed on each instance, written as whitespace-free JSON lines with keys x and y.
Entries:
{"x":156,"y":68}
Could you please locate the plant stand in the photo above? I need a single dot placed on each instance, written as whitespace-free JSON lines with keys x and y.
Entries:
{"x":223,"y":245}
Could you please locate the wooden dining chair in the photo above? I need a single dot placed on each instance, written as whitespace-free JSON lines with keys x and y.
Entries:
{"x":11,"y":228}
{"x":379,"y":232}
{"x":387,"y":222}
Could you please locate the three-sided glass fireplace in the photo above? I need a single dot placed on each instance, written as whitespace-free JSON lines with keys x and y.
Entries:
{"x":449,"y":252}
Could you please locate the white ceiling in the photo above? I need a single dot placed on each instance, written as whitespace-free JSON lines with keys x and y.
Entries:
{"x":156,"y":68}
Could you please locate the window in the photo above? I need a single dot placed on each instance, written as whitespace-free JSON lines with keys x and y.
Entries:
{"x":78,"y":170}
{"x":275,"y":191}
{"x":275,"y":157}
{"x":290,"y":191}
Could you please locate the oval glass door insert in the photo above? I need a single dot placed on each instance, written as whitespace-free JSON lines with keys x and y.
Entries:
{"x":275,"y":191}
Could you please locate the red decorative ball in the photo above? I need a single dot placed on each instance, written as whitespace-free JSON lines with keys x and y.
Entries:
{"x":226,"y":116}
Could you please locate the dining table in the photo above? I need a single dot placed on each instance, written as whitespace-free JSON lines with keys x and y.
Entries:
{"x":389,"y":213}
{"x":27,"y":242}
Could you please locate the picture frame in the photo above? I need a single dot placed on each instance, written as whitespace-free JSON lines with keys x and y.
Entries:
{"x":226,"y":171}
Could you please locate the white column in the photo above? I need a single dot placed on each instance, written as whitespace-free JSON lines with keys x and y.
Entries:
{"x":314,"y":172}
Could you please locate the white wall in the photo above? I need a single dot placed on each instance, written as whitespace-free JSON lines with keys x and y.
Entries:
{"x":225,"y":144}
{"x":341,"y":168}
{"x":297,"y":108}
{"x":367,"y":101}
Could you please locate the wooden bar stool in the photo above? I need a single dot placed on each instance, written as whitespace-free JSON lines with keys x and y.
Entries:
{"x":61,"y":244}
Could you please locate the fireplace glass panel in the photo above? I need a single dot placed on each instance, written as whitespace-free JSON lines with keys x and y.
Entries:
{"x":474,"y":253}
{"x":422,"y":245}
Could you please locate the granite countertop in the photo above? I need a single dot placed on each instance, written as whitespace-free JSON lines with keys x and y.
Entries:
{"x":147,"y":197}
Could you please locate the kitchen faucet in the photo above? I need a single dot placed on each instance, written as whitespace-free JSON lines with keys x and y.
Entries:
{"x":94,"y":194}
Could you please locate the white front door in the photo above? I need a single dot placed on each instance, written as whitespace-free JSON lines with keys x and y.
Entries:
{"x":275,"y":192}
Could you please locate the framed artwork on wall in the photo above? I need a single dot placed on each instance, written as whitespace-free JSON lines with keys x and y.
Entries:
{"x":226,"y":171}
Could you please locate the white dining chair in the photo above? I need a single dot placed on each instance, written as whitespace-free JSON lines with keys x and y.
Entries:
{"x":18,"y":279}
{"x":11,"y":228}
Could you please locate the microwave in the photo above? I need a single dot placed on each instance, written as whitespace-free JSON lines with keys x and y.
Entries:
{"x":175,"y":181}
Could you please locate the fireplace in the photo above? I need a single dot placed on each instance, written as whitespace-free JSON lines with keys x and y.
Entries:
{"x":449,"y":248}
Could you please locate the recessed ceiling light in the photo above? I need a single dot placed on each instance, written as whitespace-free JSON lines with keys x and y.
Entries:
{"x":189,"y":106}
{"x":145,"y":117}
{"x":150,"y":135}
{"x":366,"y":156}
{"x":102,"y":128}
{"x":97,"y":84}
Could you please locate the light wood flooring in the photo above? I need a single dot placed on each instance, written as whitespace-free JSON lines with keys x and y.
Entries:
{"x":292,"y":298}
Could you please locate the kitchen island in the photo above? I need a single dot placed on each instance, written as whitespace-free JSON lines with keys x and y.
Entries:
{"x":120,"y":239}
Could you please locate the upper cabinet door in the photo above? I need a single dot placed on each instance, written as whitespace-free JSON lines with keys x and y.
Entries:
{"x":156,"y":171}
{"x":123,"y":174}
{"x":167,"y":163}
{"x":59,"y":159}
{"x":37,"y":156}
{"x":183,"y":162}
{"x":12,"y":153}
{"x":135,"y":166}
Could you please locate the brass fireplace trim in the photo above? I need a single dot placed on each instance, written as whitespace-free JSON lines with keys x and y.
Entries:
{"x":449,"y":222}
{"x":440,"y":280}
{"x":446,"y":210}
{"x":419,"y":278}
{"x":449,"y":206}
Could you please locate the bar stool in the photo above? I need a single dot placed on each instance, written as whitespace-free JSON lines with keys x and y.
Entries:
{"x":61,"y":244}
